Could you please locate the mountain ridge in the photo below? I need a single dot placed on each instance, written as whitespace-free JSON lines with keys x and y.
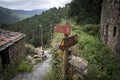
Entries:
{"x":9,"y":15}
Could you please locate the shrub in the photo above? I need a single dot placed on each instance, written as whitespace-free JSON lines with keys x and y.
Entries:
{"x":25,"y":66}
{"x":12,"y":70}
{"x":55,"y":73}
{"x":52,"y":75}
{"x":9,"y":72}
{"x":92,"y":29}
{"x":102,"y":63}
{"x":29,"y":48}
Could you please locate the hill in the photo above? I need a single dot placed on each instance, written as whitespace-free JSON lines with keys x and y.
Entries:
{"x":31,"y":26}
{"x":30,"y":12}
{"x":9,"y":15}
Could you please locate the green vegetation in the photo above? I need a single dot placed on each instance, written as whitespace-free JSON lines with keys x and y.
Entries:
{"x":29,"y":48}
{"x":31,"y":26}
{"x":102,"y":63}
{"x":25,"y":66}
{"x":85,"y":11}
{"x":9,"y":72}
{"x":55,"y":73}
{"x":91,"y":29}
{"x":12,"y":70}
{"x":53,"y":76}
{"x":8,"y":15}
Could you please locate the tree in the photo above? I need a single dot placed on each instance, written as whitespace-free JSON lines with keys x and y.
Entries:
{"x":30,"y":26}
{"x":85,"y":11}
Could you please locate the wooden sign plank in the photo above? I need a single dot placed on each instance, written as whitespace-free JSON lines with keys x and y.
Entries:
{"x":62,"y":29}
{"x":68,"y":42}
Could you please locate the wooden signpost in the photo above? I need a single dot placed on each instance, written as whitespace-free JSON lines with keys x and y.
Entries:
{"x":68,"y":42}
{"x":64,"y":45}
{"x":62,"y":29}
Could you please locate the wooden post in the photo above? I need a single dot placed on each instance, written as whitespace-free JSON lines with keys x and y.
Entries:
{"x":65,"y":63}
{"x":66,"y":30}
{"x":41,"y":35}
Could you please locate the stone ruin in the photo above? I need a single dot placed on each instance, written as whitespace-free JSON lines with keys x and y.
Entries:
{"x":110,"y":25}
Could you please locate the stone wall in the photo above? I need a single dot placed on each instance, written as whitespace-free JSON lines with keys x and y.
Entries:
{"x":1,"y":67}
{"x":110,"y":25}
{"x":16,"y":51}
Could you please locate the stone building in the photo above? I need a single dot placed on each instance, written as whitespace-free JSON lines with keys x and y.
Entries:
{"x":110,"y":25}
{"x":11,"y":48}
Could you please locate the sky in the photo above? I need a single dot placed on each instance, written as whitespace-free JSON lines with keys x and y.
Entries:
{"x":33,"y":4}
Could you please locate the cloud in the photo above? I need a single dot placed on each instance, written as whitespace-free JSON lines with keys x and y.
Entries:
{"x":33,"y":4}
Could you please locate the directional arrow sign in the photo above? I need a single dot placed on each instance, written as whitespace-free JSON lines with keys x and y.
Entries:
{"x":62,"y":29}
{"x":68,"y":42}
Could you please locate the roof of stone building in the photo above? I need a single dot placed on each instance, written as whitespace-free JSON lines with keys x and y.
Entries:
{"x":8,"y":38}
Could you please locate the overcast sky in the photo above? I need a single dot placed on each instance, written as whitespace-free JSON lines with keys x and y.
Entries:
{"x":33,"y":4}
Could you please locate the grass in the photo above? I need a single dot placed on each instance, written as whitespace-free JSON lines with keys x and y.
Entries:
{"x":12,"y":70}
{"x":102,"y":62}
{"x":25,"y":66}
{"x":55,"y":73}
{"x":9,"y":72}
{"x":29,"y":48}
{"x":52,"y":75}
{"x":103,"y":65}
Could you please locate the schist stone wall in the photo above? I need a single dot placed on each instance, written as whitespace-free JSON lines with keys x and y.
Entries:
{"x":12,"y":54}
{"x":110,"y":25}
{"x":1,"y":65}
{"x":16,"y":51}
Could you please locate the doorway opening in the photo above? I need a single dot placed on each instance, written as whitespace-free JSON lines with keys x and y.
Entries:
{"x":5,"y":58}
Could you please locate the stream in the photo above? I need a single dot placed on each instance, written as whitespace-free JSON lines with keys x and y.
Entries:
{"x":39,"y":70}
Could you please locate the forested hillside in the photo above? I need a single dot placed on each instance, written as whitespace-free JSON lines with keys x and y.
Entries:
{"x":84,"y":17}
{"x":86,"y":11}
{"x":31,"y":26}
{"x":30,"y":12}
{"x":9,"y":15}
